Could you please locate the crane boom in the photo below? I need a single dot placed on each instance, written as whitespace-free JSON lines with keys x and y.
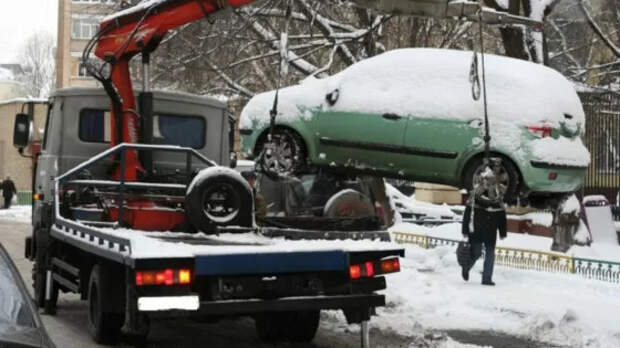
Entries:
{"x":140,"y":29}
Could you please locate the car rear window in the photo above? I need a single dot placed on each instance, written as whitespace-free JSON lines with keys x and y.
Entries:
{"x":168,"y":129}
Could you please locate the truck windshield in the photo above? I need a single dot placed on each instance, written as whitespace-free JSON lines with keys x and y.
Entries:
{"x":182,"y":130}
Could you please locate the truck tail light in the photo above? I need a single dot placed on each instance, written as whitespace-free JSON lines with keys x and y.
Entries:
{"x":164,"y":277}
{"x":390,"y":265}
{"x":540,"y":131}
{"x":370,"y":269}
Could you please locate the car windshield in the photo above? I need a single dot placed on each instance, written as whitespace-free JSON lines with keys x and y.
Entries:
{"x":14,"y":309}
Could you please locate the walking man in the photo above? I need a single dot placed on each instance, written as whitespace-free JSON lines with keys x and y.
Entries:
{"x":8,"y":190}
{"x":485,"y":215}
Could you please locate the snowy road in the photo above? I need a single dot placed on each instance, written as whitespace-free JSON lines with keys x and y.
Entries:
{"x":68,"y":328}
{"x":428,"y":305}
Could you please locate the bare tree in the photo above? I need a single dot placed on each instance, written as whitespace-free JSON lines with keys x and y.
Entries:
{"x":37,"y":60}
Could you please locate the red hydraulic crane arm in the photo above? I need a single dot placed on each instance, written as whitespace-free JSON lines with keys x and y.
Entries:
{"x":140,"y":29}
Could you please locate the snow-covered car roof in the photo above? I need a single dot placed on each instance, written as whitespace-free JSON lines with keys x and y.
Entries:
{"x":429,"y":83}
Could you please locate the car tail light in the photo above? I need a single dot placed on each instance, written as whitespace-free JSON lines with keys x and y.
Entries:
{"x":164,"y":277}
{"x":390,"y":265}
{"x":540,"y":131}
{"x":553,"y":175}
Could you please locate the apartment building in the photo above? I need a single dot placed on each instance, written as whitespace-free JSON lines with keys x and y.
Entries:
{"x":78,"y":21}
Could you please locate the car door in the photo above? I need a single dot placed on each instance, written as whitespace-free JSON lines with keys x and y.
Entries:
{"x":366,"y":140}
{"x":436,"y":144}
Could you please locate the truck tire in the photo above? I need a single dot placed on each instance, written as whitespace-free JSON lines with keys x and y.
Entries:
{"x":39,"y":273}
{"x":298,"y":326}
{"x":104,"y":327}
{"x":219,"y":196}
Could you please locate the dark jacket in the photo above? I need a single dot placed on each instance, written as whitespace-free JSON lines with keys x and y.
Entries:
{"x":8,"y":188}
{"x":487,"y":221}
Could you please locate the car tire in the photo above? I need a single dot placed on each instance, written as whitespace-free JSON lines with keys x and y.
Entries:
{"x":39,"y":273}
{"x":219,"y":197}
{"x":287,"y":156}
{"x":513,"y":178}
{"x":104,"y":327}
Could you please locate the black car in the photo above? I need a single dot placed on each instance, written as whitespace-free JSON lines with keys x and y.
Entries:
{"x":20,"y":324}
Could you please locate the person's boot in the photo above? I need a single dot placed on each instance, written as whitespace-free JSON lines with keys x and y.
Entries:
{"x":465,"y":274}
{"x":488,"y":282}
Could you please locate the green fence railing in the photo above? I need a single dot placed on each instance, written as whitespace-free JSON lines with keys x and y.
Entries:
{"x":529,"y":259}
{"x":24,"y":198}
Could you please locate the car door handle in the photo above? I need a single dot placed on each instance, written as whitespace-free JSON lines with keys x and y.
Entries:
{"x":391,"y":116}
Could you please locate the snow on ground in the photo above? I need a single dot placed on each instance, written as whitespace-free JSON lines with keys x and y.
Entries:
{"x":429,"y":294}
{"x":18,"y":213}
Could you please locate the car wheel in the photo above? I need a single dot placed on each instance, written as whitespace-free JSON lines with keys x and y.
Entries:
{"x":104,"y":327}
{"x":217,"y":198}
{"x":508,"y":177}
{"x":284,"y":155}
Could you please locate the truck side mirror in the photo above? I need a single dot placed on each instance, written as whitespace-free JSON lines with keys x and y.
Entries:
{"x":21,"y":132}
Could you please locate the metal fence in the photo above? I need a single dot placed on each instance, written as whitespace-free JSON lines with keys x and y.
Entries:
{"x":529,"y":259}
{"x":24,"y":198}
{"x":602,"y":138}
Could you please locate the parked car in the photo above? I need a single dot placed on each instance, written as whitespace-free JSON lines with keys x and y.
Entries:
{"x":20,"y":324}
{"x":409,"y":114}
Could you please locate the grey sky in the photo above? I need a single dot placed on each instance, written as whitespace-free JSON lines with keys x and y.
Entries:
{"x":21,"y":18}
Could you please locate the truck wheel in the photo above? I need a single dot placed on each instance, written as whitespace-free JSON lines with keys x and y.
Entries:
{"x":39,"y":273}
{"x":271,"y":327}
{"x":302,"y":326}
{"x":294,"y":326}
{"x":104,"y":327}
{"x":219,"y":197}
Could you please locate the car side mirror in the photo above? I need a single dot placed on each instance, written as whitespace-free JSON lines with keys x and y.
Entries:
{"x":21,"y":131}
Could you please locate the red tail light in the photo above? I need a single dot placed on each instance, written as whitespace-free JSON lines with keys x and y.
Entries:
{"x":355,"y":271}
{"x":370,"y":269}
{"x":540,"y":131}
{"x":165,"y":277}
{"x":390,"y":265}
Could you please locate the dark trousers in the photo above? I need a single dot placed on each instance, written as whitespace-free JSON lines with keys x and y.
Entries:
{"x":489,"y":259}
{"x":7,"y":202}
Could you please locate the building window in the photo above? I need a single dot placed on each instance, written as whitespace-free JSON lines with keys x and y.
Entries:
{"x":84,"y":28}
{"x":82,"y":70}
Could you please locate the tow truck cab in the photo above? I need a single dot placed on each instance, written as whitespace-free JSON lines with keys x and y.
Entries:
{"x":78,"y":127}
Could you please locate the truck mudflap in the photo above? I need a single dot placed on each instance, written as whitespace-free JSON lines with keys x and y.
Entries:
{"x":271,"y":263}
{"x":352,"y":303}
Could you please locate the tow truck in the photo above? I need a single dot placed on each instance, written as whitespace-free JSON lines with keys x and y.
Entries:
{"x":131,"y":213}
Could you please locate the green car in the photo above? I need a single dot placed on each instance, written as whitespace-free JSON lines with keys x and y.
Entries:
{"x":410,"y":114}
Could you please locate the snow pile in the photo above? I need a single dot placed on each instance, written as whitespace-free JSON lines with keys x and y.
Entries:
{"x":429,"y":294}
{"x":411,"y":81}
{"x":537,"y":218}
{"x":400,"y":202}
{"x":571,"y":206}
{"x":563,"y":151}
{"x":17,"y":213}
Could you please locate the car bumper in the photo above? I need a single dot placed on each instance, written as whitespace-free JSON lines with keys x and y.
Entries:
{"x":542,"y":177}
